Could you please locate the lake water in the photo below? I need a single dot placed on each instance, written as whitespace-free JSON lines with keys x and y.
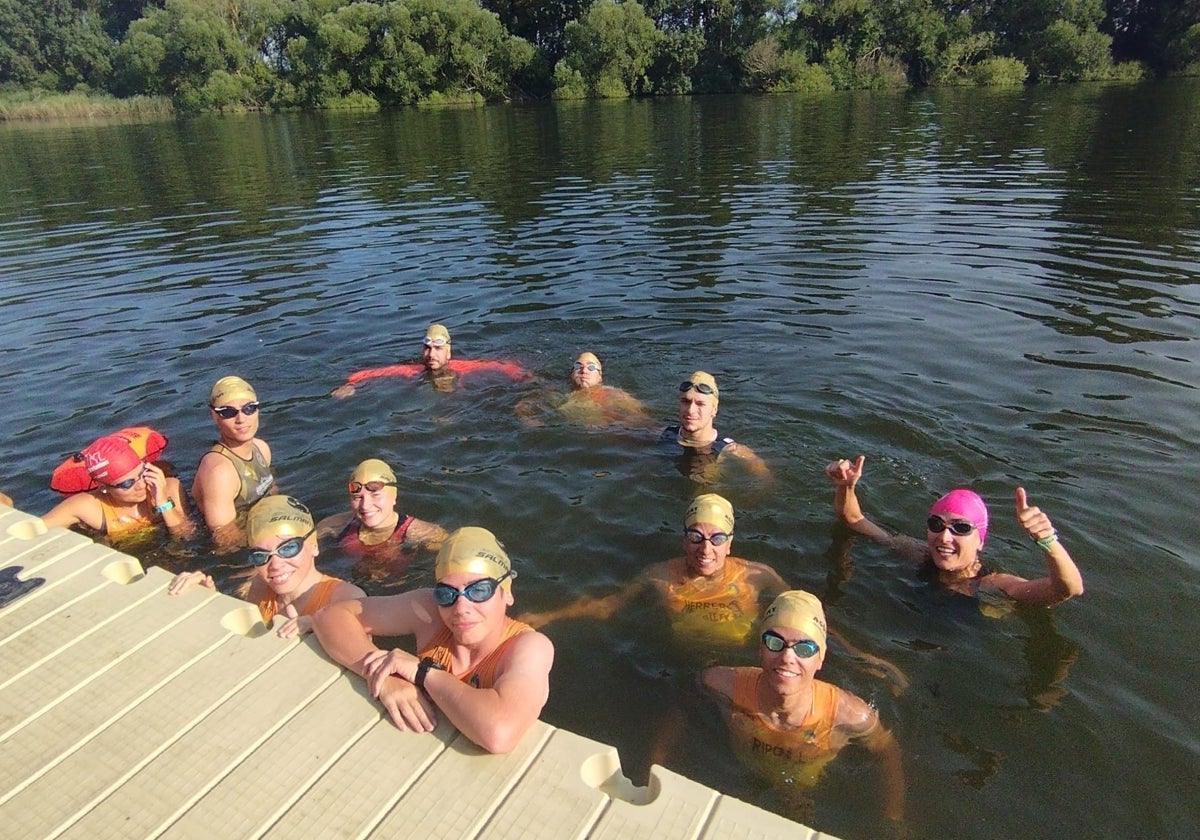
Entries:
{"x":984,"y":288}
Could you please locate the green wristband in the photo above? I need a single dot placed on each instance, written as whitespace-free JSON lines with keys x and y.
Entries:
{"x":1045,"y":542}
{"x":169,"y":504}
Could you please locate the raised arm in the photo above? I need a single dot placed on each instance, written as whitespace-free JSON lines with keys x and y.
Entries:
{"x":845,"y":475}
{"x":1063,"y":579}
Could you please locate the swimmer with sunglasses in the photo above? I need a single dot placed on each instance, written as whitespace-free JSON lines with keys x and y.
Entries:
{"x":282,"y":555}
{"x":954,"y":535}
{"x":484,"y":672}
{"x":236,"y":471}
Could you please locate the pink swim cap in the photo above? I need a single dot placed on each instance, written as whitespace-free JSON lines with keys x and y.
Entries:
{"x":966,"y":504}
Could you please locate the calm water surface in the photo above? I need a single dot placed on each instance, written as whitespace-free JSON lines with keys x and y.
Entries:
{"x":984,"y":288}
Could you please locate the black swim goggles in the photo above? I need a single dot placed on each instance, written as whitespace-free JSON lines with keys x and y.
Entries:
{"x":696,"y":538}
{"x":228,"y":412}
{"x":702,"y":387}
{"x":129,"y":482}
{"x":804,"y":648}
{"x":356,"y":487}
{"x":476,"y":592}
{"x":958,"y":527}
{"x":287,"y":549}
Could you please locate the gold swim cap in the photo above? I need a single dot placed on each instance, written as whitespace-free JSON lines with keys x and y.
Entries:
{"x":699,"y":377}
{"x":800,"y":611}
{"x":437,"y":331}
{"x":373,"y":469}
{"x":230,"y":388}
{"x":588,"y":356}
{"x":710,"y":509}
{"x":473,"y":550}
{"x":277,"y":516}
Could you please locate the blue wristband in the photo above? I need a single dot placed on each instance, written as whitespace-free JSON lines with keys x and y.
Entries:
{"x":169,"y":504}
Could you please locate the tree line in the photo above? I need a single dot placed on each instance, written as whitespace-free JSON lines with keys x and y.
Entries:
{"x":239,"y":54}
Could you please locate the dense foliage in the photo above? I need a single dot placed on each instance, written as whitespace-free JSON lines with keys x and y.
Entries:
{"x":219,"y":54}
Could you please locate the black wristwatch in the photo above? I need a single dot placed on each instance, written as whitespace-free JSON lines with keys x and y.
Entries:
{"x":423,"y":669}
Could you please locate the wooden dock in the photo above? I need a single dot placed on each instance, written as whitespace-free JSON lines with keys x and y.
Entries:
{"x":125,"y":713}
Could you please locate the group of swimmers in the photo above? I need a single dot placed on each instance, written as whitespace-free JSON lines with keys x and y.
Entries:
{"x":487,"y":672}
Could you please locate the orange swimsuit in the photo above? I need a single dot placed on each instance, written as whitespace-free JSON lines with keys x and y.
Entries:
{"x":723,"y":609}
{"x":799,"y":754}
{"x":482,"y":675}
{"x":317,"y":598}
{"x":117,"y":524}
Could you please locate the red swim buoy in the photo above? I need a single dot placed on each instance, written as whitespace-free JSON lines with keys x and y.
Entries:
{"x":71,"y":476}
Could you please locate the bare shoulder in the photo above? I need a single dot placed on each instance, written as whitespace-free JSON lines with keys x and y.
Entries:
{"x":264,"y":449}
{"x":718,"y":679}
{"x":853,"y":713}
{"x":530,"y":652}
{"x":346,"y":591}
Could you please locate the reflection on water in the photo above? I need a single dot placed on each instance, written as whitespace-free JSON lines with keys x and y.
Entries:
{"x":993,"y":288}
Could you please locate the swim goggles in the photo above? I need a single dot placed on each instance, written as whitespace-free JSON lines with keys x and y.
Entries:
{"x":590,"y":367}
{"x":228,"y":412}
{"x":129,"y":482}
{"x":356,"y":487}
{"x":695,"y":537}
{"x":702,"y":387}
{"x":958,"y":527}
{"x":287,"y":549}
{"x":434,"y":342}
{"x":805,"y":648}
{"x":476,"y":592}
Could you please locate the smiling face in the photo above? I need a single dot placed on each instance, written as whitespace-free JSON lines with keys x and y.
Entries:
{"x":704,"y":558}
{"x":469,"y":622}
{"x":374,"y":509}
{"x":240,"y":428}
{"x":785,"y":671}
{"x":288,"y":577}
{"x":951,"y":552}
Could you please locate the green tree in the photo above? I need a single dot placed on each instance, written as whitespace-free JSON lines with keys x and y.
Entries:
{"x":53,"y":44}
{"x":608,"y":52}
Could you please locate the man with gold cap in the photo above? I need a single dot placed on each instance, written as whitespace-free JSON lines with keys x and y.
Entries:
{"x":712,"y":597}
{"x":435,"y":361}
{"x":784,"y":723}
{"x":384,"y":540}
{"x":695,"y":443}
{"x":283,"y":552}
{"x":589,"y":402}
{"x":487,"y":673}
{"x":236,"y":471}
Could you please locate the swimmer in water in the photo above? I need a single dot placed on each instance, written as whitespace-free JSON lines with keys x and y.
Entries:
{"x":129,"y":494}
{"x":785,"y":725}
{"x":383,"y":540}
{"x":954,"y":535}
{"x":695,"y":443}
{"x":236,"y":471}
{"x":283,"y":552}
{"x":437,"y":363}
{"x":711,"y":596}
{"x":488,"y":674}
{"x":589,"y":402}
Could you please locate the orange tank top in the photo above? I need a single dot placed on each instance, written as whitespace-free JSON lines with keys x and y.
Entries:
{"x":759,"y":741}
{"x":318,"y":597}
{"x":118,"y":524}
{"x":482,"y":675}
{"x":726,"y":608}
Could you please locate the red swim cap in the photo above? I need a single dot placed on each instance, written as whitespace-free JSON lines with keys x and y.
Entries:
{"x":109,"y":458}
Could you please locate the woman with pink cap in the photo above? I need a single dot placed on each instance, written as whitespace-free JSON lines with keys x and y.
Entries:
{"x":954,"y":535}
{"x":128,"y":494}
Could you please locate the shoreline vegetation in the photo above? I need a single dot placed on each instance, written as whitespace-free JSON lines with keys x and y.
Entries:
{"x":147,"y":59}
